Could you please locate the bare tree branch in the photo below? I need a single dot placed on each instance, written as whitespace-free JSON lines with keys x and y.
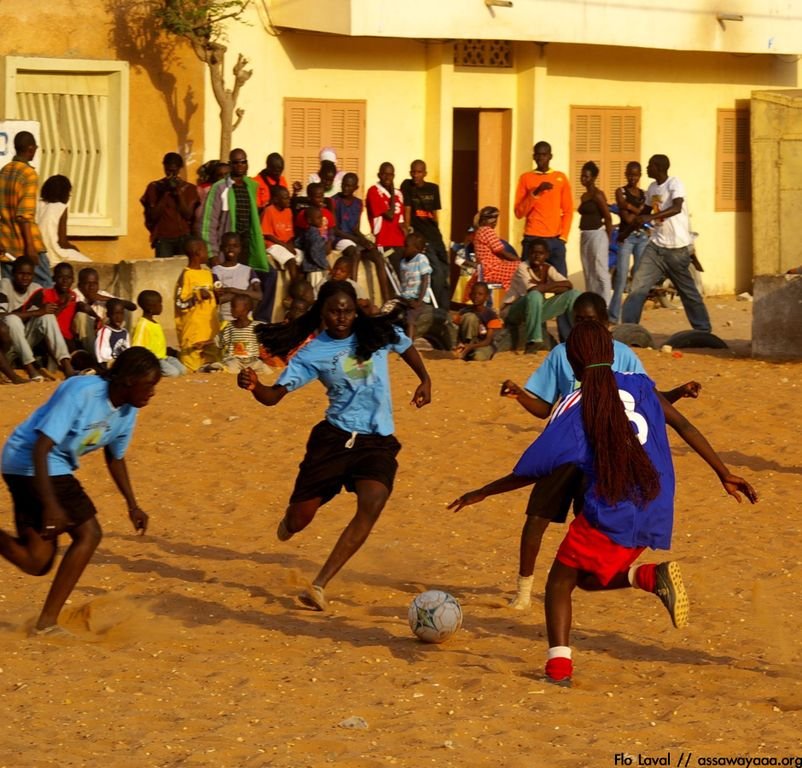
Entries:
{"x":201,"y":23}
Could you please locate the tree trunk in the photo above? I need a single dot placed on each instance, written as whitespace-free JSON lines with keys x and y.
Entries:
{"x":226,"y":128}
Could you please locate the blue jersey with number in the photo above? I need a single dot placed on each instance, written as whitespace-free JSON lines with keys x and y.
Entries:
{"x":555,"y":377}
{"x":564,"y":442}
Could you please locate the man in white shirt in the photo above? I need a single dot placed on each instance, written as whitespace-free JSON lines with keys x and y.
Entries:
{"x":668,"y":253}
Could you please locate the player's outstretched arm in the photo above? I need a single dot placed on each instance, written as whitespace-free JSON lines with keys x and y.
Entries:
{"x":688,"y":389}
{"x":423,"y":393}
{"x":534,"y":405}
{"x":504,"y":484}
{"x":733,"y":484}
{"x":248,"y":379}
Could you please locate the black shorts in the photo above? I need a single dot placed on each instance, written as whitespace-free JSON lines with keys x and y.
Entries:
{"x":328,"y":465}
{"x":28,"y":507}
{"x":553,"y":495}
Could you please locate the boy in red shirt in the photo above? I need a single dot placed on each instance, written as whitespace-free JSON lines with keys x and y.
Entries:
{"x":385,"y":206}
{"x":61,"y":301}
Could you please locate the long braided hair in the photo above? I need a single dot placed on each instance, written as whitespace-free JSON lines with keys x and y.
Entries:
{"x":623,"y":468}
{"x":372,"y":333}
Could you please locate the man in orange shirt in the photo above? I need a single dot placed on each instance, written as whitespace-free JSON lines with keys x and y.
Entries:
{"x":544,"y":199}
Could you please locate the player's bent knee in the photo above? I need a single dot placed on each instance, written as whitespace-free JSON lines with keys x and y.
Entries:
{"x":88,"y":534}
{"x":43,"y":570}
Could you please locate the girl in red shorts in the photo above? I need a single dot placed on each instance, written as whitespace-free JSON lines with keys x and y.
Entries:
{"x":614,"y":430}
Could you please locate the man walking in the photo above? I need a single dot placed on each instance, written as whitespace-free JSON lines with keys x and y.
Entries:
{"x":668,"y":253}
{"x":544,"y":199}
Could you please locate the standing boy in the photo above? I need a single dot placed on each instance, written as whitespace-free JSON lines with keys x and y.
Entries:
{"x":385,"y":205}
{"x":421,"y":206}
{"x":347,"y":216}
{"x":544,"y":199}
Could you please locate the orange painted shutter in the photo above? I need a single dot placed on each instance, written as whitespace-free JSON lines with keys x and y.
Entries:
{"x":311,"y":124}
{"x":733,"y":171}
{"x":608,"y":136}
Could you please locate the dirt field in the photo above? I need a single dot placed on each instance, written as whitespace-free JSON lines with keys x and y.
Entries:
{"x":192,"y":649}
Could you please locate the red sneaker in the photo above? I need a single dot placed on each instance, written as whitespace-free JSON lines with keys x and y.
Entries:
{"x":559,"y":671}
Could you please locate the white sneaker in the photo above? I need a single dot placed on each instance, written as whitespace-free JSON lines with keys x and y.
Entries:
{"x":523,"y":599}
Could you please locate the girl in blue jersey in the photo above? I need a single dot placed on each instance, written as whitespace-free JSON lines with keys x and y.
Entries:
{"x":84,"y":414}
{"x":614,"y":429}
{"x":354,"y":445}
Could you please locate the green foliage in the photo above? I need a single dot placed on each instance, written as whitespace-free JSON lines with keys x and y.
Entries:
{"x":199,"y":21}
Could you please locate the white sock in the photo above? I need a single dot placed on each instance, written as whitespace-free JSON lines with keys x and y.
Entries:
{"x":559,"y":652}
{"x":525,"y":584}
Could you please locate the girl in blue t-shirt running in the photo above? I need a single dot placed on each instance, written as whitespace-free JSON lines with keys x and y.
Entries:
{"x":84,"y":414}
{"x":354,"y":445}
{"x":614,"y":429}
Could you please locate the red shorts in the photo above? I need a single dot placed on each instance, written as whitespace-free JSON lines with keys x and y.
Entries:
{"x":586,"y":548}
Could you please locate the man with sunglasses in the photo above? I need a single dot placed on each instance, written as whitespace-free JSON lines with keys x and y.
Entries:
{"x":231,"y":207}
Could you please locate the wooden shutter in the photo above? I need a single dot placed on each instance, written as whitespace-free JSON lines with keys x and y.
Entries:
{"x":733,"y":163}
{"x":73,"y":113}
{"x":608,"y":136}
{"x":311,"y":124}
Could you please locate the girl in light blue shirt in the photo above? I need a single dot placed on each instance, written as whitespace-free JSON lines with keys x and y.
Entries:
{"x":354,"y":445}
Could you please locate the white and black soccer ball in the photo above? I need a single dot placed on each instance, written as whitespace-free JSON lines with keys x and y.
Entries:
{"x":434,"y":616}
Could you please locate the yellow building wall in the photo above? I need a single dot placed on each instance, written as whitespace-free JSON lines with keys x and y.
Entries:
{"x":678,"y":93}
{"x":412,"y":87}
{"x":390,"y":75}
{"x":166,"y":91}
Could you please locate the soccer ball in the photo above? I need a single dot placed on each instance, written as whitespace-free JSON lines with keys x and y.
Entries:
{"x":434,"y":616}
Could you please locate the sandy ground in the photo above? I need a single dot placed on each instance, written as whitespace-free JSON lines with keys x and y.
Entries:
{"x":191,"y":647}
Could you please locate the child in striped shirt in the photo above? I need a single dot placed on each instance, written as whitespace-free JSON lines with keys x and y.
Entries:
{"x":239,"y":347}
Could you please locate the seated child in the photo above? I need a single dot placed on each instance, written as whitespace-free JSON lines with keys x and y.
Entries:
{"x":112,"y":338}
{"x":315,"y":246}
{"x":478,"y":326}
{"x":24,"y":329}
{"x":350,"y":240}
{"x":149,"y":334}
{"x":239,"y":347}
{"x":232,"y":278}
{"x":279,"y":232}
{"x":196,"y":319}
{"x":89,"y":291}
{"x":415,"y":278}
{"x":316,"y":198}
{"x":61,"y":301}
{"x":341,"y":270}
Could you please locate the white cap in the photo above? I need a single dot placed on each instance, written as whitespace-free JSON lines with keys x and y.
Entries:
{"x":328,"y":153}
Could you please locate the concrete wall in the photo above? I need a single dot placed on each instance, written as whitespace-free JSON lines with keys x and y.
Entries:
{"x":166,"y":90}
{"x":777,"y":181}
{"x":777,"y":317}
